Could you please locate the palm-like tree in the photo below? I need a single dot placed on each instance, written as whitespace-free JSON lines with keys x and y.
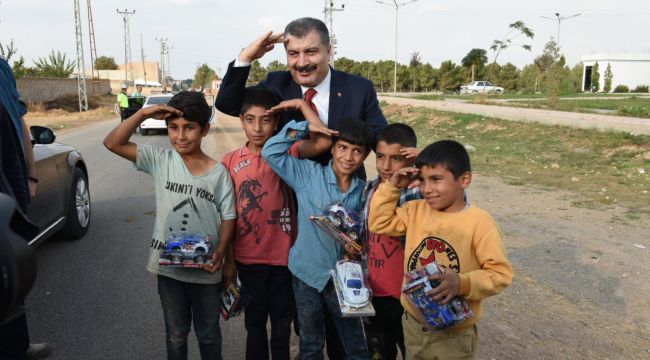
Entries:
{"x":474,"y":58}
{"x":55,"y":65}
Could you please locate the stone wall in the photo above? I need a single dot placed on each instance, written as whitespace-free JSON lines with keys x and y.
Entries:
{"x":45,"y":89}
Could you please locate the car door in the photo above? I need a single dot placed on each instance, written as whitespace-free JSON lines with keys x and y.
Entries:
{"x":46,"y":206}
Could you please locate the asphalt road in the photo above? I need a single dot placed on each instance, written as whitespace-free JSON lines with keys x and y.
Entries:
{"x":93,"y":298}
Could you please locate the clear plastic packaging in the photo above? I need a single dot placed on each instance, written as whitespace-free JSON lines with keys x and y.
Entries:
{"x":188,"y":250}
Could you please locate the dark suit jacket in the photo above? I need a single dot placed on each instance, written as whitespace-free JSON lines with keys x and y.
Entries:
{"x":350,"y":96}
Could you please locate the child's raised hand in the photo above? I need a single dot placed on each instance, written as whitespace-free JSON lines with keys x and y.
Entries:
{"x":410,"y":152}
{"x":292,"y":104}
{"x":322,"y":129}
{"x":160,"y":112}
{"x":448,"y":289}
{"x":403,"y":177}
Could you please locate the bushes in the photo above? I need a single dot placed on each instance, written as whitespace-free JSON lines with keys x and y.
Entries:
{"x":621,"y":89}
{"x":641,"y":89}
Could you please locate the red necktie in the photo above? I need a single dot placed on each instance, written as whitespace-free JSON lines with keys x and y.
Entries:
{"x":309,"y":94}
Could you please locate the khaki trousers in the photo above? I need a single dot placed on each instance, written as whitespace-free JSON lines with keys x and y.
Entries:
{"x":423,"y":344}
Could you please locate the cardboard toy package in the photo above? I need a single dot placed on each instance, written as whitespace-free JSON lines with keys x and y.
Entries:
{"x":343,"y":224}
{"x":430,"y":312}
{"x":188,"y":250}
{"x":233,"y":300}
{"x":351,"y":290}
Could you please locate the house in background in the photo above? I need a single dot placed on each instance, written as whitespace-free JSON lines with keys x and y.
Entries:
{"x":631,"y":70}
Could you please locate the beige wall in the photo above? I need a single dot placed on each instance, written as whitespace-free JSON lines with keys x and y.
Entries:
{"x":46,"y":89}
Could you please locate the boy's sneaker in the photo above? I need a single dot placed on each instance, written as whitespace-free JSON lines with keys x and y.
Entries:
{"x":38,"y":351}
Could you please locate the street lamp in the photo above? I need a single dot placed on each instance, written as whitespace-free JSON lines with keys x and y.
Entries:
{"x":559,"y":21}
{"x":396,"y":5}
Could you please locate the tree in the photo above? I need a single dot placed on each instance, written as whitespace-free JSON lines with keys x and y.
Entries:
{"x":203,"y":76}
{"x":608,"y":78}
{"x":517,"y":29}
{"x":414,"y":63}
{"x":7,"y":51}
{"x":257,"y":73}
{"x":474,"y":58}
{"x":276,"y":66}
{"x":595,"y":77}
{"x":548,"y":64}
{"x":105,"y":63}
{"x":508,"y":76}
{"x":450,"y":77}
{"x":55,"y":65}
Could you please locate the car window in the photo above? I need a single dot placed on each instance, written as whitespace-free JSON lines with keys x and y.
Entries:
{"x":354,"y":283}
{"x":158,"y":100}
{"x":480,"y":83}
{"x":488,"y":83}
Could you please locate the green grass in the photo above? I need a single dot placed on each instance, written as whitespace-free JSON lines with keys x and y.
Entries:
{"x":633,"y":106}
{"x":602,"y":168}
{"x":512,"y":95}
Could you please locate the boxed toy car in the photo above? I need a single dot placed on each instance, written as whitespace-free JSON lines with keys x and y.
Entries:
{"x":189,"y":250}
{"x":351,"y":290}
{"x":434,"y":314}
{"x":343,"y":224}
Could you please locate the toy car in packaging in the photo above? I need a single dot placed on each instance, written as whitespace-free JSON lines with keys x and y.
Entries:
{"x":351,"y":290}
{"x":434,"y":314}
{"x":342,"y":223}
{"x":193,"y":250}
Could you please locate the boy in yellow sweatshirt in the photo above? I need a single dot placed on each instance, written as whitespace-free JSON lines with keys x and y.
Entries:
{"x":446,"y":229}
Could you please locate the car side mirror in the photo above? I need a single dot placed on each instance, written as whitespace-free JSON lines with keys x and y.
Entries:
{"x":42,"y":135}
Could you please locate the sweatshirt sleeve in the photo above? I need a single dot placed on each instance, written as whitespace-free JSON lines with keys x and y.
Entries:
{"x":384,"y":216}
{"x":295,"y":172}
{"x":495,"y":273}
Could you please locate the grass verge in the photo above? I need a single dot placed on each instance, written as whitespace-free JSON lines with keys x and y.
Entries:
{"x":602,"y":168}
{"x":633,"y":106}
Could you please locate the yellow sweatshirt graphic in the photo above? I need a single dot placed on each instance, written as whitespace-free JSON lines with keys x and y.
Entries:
{"x":468,"y":242}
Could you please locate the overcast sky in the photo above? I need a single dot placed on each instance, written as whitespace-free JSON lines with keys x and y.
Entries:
{"x":214,"y":31}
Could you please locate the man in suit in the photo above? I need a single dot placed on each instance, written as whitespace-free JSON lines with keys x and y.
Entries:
{"x":307,"y":44}
{"x":337,"y":94}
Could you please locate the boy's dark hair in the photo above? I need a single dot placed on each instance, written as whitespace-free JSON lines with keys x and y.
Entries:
{"x":398,"y":133}
{"x":448,"y":153}
{"x":301,"y":27}
{"x":193,"y":106}
{"x":355,"y":132}
{"x":258,"y":97}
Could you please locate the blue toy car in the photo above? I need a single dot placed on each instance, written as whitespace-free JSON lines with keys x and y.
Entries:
{"x":192,"y":248}
{"x":344,"y":219}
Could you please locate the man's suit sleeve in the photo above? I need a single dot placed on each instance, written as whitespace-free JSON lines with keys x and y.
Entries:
{"x":231,"y":91}
{"x":372,"y":113}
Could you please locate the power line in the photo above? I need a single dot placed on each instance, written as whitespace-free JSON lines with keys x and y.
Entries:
{"x":127,"y":42}
{"x":81,"y":68}
{"x":329,"y":19}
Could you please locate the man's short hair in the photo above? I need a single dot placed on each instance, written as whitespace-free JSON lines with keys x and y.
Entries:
{"x":193,"y":106}
{"x":261,"y":97}
{"x":301,"y":27}
{"x":447,"y":153}
{"x":398,"y":133}
{"x":355,"y":132}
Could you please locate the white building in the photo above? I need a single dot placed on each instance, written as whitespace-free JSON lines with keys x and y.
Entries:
{"x":631,"y":70}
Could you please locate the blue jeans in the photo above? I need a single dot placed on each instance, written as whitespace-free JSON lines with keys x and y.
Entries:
{"x":183,"y":302}
{"x":309,"y":303}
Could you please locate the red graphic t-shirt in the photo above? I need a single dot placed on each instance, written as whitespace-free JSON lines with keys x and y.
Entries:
{"x":266,"y":210}
{"x":385,"y":264}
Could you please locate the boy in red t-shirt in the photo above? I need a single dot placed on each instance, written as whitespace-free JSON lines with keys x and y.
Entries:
{"x":395,"y":149}
{"x":266,"y":222}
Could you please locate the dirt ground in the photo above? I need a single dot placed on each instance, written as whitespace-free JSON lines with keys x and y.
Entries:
{"x":581,"y":286}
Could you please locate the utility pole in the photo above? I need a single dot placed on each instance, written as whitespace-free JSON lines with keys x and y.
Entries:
{"x":93,"y":51}
{"x":81,"y":68}
{"x":329,"y":19}
{"x":397,"y":5}
{"x":144,"y":68}
{"x":127,"y":42}
{"x":559,"y":22}
{"x":169,"y":64}
{"x":163,"y":51}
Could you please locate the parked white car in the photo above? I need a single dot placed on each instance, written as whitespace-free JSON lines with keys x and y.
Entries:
{"x":480,"y":87}
{"x":151,"y":123}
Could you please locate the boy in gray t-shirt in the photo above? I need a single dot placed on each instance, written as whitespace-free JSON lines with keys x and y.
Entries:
{"x":194,"y":195}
